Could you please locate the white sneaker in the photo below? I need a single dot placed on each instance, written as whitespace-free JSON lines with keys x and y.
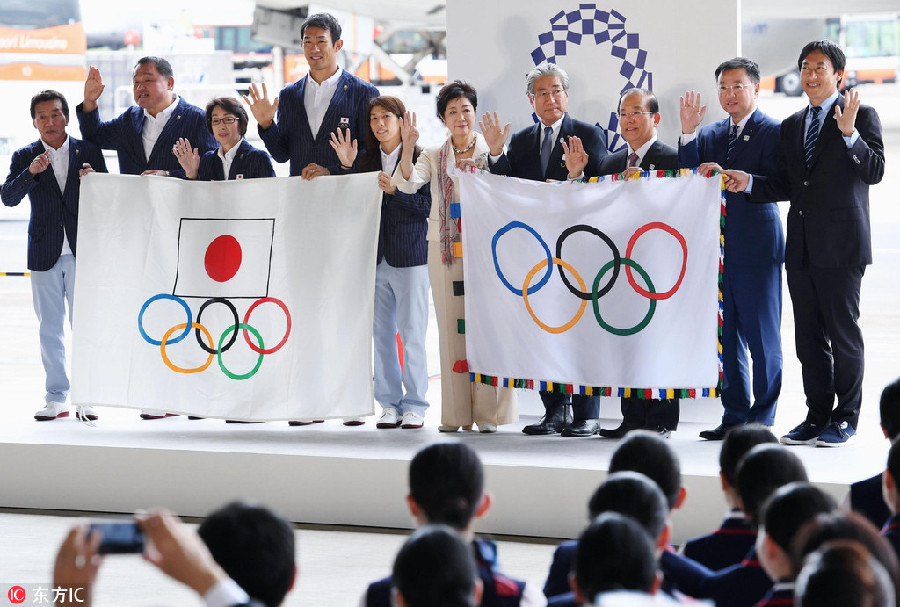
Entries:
{"x":411,"y":420}
{"x":52,"y":411}
{"x":390,"y":418}
{"x":86,"y":414}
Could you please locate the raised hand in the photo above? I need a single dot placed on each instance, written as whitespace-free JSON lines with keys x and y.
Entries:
{"x":495,"y":135}
{"x":263,"y":110}
{"x":846,"y":118}
{"x":40,"y":163}
{"x":576,"y":157}
{"x":692,"y":112}
{"x":409,"y":133}
{"x":345,"y":149}
{"x":188,"y":157}
{"x":93,"y":88}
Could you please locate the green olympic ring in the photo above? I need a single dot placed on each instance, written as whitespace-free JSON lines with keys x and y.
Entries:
{"x":596,"y":300}
{"x":259,"y":338}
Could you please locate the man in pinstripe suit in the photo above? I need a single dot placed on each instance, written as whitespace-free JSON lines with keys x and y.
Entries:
{"x":48,"y":171}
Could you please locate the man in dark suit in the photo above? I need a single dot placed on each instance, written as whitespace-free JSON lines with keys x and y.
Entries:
{"x":638,"y":118}
{"x":48,"y":171}
{"x":754,"y":243}
{"x":828,"y":156}
{"x":311,"y":109}
{"x":541,"y":152}
{"x":144,"y":134}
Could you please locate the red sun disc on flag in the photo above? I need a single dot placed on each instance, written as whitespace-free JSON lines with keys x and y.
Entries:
{"x":223,"y":258}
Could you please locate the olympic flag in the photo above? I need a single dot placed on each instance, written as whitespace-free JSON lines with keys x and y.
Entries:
{"x":247,"y":300}
{"x":604,"y":286}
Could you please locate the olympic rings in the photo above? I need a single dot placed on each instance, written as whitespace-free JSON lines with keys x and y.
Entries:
{"x":581,"y":308}
{"x":549,"y":260}
{"x":629,"y":263}
{"x":656,"y":225}
{"x":616,"y":260}
{"x":165,"y":340}
{"x":236,"y":322}
{"x":287,"y":330}
{"x":252,"y":371}
{"x":174,"y":298}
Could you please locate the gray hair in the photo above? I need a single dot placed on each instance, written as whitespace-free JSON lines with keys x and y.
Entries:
{"x":546,"y":69}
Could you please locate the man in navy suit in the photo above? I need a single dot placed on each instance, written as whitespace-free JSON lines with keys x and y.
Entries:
{"x":828,"y":155}
{"x":638,"y":117}
{"x":48,"y":171}
{"x":540,"y":152}
{"x":754,"y":243}
{"x":314,"y":107}
{"x":144,"y":134}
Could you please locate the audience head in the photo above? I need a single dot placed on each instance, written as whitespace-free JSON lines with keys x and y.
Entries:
{"x":842,"y":573}
{"x":645,"y":452}
{"x":255,"y":547}
{"x":435,"y":568}
{"x":738,"y":441}
{"x":634,"y":495}
{"x":890,"y":410}
{"x":547,"y":87}
{"x":762,"y":471}
{"x":890,"y":490}
{"x":786,"y":511}
{"x":446,"y":485}
{"x":614,"y":553}
{"x":457,"y":93}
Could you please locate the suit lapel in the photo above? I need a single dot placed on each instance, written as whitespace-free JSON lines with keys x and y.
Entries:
{"x":828,"y":132}
{"x":172,"y":124}
{"x":75,"y":162}
{"x":556,"y":161}
{"x":40,"y":149}
{"x":136,"y":135}
{"x":239,"y":160}
{"x":744,"y":139}
{"x":648,"y":162}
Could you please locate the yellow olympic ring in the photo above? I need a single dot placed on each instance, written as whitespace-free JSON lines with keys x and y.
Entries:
{"x":177,"y":369}
{"x":540,"y":266}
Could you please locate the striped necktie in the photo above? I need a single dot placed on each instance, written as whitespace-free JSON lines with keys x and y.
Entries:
{"x":812,"y":135}
{"x":732,"y":139}
{"x":546,"y":147}
{"x":633,"y":160}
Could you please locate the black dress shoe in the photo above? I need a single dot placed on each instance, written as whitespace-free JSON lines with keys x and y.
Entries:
{"x":619,"y":432}
{"x":557,"y":419}
{"x":717,"y":433}
{"x":582,"y":427}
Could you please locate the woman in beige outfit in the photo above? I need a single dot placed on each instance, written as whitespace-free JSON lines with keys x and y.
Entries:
{"x":462,"y":402}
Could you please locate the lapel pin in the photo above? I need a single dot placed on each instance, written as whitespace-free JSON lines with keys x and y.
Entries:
{"x":345,"y":123}
{"x":746,"y":137}
{"x":345,"y":87}
{"x":652,"y":167}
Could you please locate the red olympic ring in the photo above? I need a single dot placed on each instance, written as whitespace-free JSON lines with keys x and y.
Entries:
{"x":287,"y":330}
{"x":656,"y":225}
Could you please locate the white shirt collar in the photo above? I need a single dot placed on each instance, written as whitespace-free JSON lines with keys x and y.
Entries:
{"x":328,"y":83}
{"x":53,"y":151}
{"x":389,"y":161}
{"x":642,"y":151}
{"x":229,"y":155}
{"x":163,"y":115}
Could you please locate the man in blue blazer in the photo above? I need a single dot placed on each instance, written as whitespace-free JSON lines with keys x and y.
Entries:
{"x":540,"y":152}
{"x":48,"y":172}
{"x":754,"y":244}
{"x":314,"y":107}
{"x":144,"y":134}
{"x":829,"y":153}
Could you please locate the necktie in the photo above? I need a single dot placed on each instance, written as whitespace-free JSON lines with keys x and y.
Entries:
{"x":812,"y":135}
{"x":546,"y":146}
{"x":732,"y":139}
{"x":633,"y":160}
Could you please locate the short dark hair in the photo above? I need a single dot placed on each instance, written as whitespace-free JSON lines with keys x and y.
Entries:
{"x":614,"y":553}
{"x":230,"y":105}
{"x":650,"y":96}
{"x":455,"y":90}
{"x":764,"y":469}
{"x":890,"y":409}
{"x":446,"y":480}
{"x":893,"y":463}
{"x":634,"y":495}
{"x":255,"y":547}
{"x":828,"y":48}
{"x":738,"y":441}
{"x":435,"y":568}
{"x":371,"y":161}
{"x":791,"y":507}
{"x":645,"y":452}
{"x":325,"y":21}
{"x":843,"y":574}
{"x":162,"y":65}
{"x":49,"y":95}
{"x":740,"y":63}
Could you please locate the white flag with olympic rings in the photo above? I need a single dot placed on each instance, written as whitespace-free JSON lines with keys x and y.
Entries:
{"x":246,"y":300}
{"x":602,"y":287}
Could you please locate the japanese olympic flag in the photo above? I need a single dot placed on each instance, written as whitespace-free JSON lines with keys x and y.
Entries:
{"x":605,"y":286}
{"x":248,"y":299}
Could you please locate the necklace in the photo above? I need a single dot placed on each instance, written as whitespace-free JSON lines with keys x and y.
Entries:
{"x":464,"y":150}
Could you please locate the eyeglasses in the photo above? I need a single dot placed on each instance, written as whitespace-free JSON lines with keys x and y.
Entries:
{"x":544,"y":94}
{"x":225,"y":120}
{"x":735,"y":88}
{"x":623,"y":115}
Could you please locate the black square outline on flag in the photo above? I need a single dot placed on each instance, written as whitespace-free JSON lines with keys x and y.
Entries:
{"x":207,"y":219}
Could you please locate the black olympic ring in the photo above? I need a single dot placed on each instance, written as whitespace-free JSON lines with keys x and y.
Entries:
{"x":237,"y":321}
{"x":617,"y":260}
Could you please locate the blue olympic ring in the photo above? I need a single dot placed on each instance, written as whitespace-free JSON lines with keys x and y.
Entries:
{"x":547,"y":274}
{"x":175,"y":298}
